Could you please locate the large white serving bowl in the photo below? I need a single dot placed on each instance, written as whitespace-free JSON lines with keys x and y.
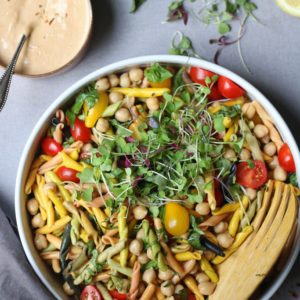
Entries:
{"x":23,"y":221}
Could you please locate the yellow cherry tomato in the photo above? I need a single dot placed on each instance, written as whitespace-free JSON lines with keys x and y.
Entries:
{"x":176,"y":219}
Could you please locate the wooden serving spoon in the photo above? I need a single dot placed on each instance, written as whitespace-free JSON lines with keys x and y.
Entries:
{"x":245,"y":269}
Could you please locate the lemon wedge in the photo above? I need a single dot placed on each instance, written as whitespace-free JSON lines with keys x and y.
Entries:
{"x":291,"y":7}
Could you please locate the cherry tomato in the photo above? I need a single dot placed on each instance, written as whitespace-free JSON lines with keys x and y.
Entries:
{"x":214,"y":94}
{"x":286,"y":159}
{"x":190,"y":295}
{"x":176,"y":219}
{"x":229,"y":89}
{"x":80,"y":131}
{"x":117,"y":295}
{"x":198,"y":75}
{"x":50,"y":146}
{"x":90,"y":292}
{"x":67,"y":174}
{"x":251,"y":178}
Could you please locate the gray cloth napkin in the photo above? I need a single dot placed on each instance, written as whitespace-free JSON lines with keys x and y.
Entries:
{"x":17,"y":278}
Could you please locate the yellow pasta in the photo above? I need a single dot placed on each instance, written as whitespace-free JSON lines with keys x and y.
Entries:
{"x":41,"y":204}
{"x":60,"y":223}
{"x":208,"y":269}
{"x":58,"y":203}
{"x":123,"y":232}
{"x":184,"y":256}
{"x":54,"y":178}
{"x":100,"y":216}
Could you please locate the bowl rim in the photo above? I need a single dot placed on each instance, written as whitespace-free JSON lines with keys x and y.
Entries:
{"x":73,"y":60}
{"x":144,"y":60}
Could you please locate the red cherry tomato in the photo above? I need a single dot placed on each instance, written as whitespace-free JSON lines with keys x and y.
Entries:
{"x":229,"y":89}
{"x":198,"y":75}
{"x":80,"y":131}
{"x":50,"y":146}
{"x":214,"y":94}
{"x":90,"y":292}
{"x":67,"y":174}
{"x":286,"y":159}
{"x":117,"y":295}
{"x":251,"y":178}
{"x":190,"y":295}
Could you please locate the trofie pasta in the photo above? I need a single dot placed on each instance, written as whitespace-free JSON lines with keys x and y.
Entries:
{"x":149,"y":180}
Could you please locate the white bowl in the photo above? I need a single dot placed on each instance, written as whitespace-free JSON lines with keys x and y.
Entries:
{"x":23,"y":222}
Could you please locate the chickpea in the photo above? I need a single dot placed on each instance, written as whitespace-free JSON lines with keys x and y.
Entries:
{"x":225,"y":239}
{"x":178,"y":288}
{"x":50,"y":186}
{"x":124,"y":80}
{"x":206,"y":288}
{"x":143,"y":258}
{"x":152,"y":103}
{"x":209,"y":255}
{"x":251,"y":193}
{"x":149,"y":253}
{"x":167,"y":288}
{"x":140,"y":212}
{"x":149,"y":276}
{"x":166,"y":275}
{"x":221,"y":227}
{"x":113,"y":80}
{"x":115,"y":97}
{"x":274,"y":163}
{"x":102,"y":125}
{"x":202,"y":277}
{"x":37,"y":221}
{"x":260,"y":131}
{"x":131,"y":101}
{"x":280,"y":174}
{"x":145,"y":83}
{"x":140,"y":234}
{"x":122,"y":115}
{"x":270,"y":149}
{"x":245,"y":154}
{"x":203,"y":208}
{"x":32,"y":206}
{"x":265,"y":139}
{"x":229,"y":154}
{"x":40,"y":241}
{"x":136,"y":74}
{"x":102,"y":84}
{"x":249,"y":110}
{"x":67,"y":289}
{"x":136,"y":247}
{"x":86,"y":147}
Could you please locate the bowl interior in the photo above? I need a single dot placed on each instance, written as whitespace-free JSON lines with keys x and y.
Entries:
{"x":41,"y":268}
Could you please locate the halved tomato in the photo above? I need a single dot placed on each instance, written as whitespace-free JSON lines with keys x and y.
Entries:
{"x":286,"y":159}
{"x":251,"y":178}
{"x":90,"y":292}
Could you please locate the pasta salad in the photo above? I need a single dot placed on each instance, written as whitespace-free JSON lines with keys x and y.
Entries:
{"x":149,"y":180}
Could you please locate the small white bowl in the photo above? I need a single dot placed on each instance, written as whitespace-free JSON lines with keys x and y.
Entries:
{"x":23,"y":222}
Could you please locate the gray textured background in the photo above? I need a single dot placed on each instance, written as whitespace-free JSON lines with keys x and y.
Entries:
{"x":272,"y":52}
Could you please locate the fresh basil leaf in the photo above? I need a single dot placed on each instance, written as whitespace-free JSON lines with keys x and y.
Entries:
{"x":156,"y":73}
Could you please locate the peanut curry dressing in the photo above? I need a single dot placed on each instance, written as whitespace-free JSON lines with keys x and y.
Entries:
{"x":56,"y":30}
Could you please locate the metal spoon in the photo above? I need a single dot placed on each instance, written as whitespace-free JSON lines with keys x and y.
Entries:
{"x":5,"y":80}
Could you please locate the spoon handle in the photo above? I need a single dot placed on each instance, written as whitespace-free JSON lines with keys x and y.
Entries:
{"x":5,"y":80}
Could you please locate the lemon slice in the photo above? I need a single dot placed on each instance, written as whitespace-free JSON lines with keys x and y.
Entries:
{"x":291,"y":7}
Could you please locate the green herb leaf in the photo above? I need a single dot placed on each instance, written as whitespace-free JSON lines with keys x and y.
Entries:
{"x":90,"y":98}
{"x":87,"y":194}
{"x":156,"y":73}
{"x":111,"y":109}
{"x":223,"y":28}
{"x":71,"y":117}
{"x":135,"y":4}
{"x":86,"y":176}
{"x":218,"y":123}
{"x":174,"y":5}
